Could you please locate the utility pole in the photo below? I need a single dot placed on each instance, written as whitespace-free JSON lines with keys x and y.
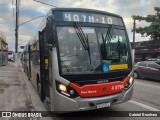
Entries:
{"x":16,"y":29}
{"x":16,"y":34}
{"x":134,"y":31}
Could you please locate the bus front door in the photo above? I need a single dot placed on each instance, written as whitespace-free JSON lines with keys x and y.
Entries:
{"x":44,"y":68}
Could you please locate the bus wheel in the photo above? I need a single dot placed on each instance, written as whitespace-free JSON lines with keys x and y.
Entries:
{"x":28,"y":74}
{"x":39,"y":90}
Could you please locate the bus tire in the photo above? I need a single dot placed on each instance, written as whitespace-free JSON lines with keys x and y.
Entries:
{"x":28,"y":74}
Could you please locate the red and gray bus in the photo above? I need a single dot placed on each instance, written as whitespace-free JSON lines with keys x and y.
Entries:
{"x":80,"y":59}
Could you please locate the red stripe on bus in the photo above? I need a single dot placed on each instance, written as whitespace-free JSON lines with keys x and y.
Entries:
{"x":95,"y":90}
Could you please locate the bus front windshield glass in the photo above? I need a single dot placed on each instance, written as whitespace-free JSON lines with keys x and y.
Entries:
{"x":85,"y":50}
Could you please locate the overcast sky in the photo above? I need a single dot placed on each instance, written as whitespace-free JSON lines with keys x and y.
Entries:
{"x":30,"y":9}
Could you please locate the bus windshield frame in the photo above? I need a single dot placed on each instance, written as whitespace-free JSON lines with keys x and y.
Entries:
{"x":97,"y":30}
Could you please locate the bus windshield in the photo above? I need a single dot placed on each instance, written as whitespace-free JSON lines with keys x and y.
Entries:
{"x":91,"y":49}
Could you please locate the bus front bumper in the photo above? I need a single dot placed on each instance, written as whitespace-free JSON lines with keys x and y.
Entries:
{"x":64,"y":104}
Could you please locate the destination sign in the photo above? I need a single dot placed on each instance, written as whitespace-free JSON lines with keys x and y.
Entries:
{"x":87,"y":17}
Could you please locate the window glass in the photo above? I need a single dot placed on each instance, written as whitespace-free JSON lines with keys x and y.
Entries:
{"x":91,"y":50}
{"x":76,"y":54}
{"x":153,"y":65}
{"x":142,"y":64}
{"x":113,"y":45}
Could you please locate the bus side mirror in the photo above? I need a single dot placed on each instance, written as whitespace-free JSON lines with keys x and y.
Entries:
{"x":49,"y":30}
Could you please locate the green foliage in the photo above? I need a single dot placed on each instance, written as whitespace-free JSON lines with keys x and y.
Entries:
{"x":153,"y":30}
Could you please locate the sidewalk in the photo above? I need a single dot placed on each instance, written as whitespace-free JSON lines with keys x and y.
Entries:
{"x":13,"y":94}
{"x":17,"y":93}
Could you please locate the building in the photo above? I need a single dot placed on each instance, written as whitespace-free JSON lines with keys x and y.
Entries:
{"x":146,"y":49}
{"x":3,"y":51}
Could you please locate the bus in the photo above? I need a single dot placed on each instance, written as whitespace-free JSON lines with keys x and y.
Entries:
{"x":3,"y":52}
{"x":80,"y":59}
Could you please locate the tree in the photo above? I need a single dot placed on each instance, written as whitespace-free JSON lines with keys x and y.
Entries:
{"x":153,"y":30}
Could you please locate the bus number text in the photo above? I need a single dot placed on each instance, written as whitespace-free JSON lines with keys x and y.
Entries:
{"x":87,"y":18}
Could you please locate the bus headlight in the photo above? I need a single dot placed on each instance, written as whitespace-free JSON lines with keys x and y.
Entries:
{"x":66,"y":90}
{"x":129,"y":83}
{"x":62,"y":88}
{"x":131,"y":80}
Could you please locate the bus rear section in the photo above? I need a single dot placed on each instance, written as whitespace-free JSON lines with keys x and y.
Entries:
{"x":85,"y":60}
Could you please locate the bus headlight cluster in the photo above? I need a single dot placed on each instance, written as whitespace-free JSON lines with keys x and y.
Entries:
{"x":129,"y":83}
{"x":66,"y":90}
{"x":62,"y":87}
{"x":131,"y":80}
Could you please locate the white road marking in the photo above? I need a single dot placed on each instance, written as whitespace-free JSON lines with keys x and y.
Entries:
{"x":147,"y":85}
{"x":144,"y":106}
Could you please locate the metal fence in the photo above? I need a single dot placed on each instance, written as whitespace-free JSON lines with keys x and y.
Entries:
{"x":3,"y":58}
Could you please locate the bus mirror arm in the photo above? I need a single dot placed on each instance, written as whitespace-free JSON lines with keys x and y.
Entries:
{"x":49,"y":30}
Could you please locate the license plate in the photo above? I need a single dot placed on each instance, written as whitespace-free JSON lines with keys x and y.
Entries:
{"x":103,"y":105}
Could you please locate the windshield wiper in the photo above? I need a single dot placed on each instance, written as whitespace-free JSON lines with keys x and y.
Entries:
{"x":81,"y":35}
{"x":121,"y":48}
{"x":109,"y":35}
{"x":107,"y":40}
{"x":83,"y":39}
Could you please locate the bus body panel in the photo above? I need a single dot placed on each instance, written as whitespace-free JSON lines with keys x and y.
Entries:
{"x":34,"y":63}
{"x":64,"y":104}
{"x":55,"y":69}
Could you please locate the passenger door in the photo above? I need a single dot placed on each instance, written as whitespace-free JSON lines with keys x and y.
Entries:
{"x":44,"y":52}
{"x":29,"y":59}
